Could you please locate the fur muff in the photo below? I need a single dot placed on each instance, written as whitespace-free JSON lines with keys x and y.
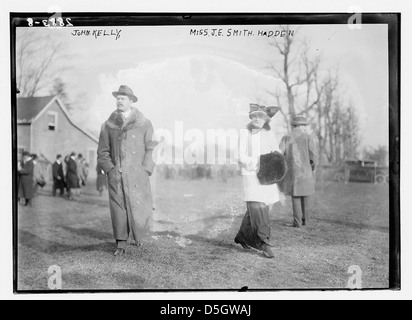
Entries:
{"x":272,"y":168}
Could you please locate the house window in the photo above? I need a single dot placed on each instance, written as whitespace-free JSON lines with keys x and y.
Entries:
{"x":52,"y":120}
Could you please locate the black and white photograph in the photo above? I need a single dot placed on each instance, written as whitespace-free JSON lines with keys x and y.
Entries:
{"x":203,"y":152}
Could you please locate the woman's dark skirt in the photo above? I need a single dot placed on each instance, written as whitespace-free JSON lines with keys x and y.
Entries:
{"x":255,"y":230}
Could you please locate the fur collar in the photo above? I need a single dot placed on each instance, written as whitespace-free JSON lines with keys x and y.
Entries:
{"x":135,"y":119}
{"x":251,"y":127}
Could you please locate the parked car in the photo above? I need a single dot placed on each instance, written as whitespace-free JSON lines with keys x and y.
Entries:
{"x":362,"y":171}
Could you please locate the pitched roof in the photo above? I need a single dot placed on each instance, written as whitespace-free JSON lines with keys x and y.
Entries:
{"x":29,"y":108}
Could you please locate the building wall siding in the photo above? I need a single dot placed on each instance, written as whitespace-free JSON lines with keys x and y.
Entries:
{"x":64,"y":139}
{"x":23,"y":136}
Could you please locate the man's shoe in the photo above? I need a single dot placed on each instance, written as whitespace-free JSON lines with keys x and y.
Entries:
{"x":136,"y":243}
{"x":244,"y":245}
{"x":267,"y":251}
{"x":120,"y":252}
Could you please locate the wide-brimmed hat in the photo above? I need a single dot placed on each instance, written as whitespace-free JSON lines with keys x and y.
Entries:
{"x":125,"y":90}
{"x":299,"y":121}
{"x":271,"y":111}
{"x":268,"y":111}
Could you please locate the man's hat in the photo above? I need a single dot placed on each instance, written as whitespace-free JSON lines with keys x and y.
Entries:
{"x":125,"y":90}
{"x":26,"y":153}
{"x":268,"y":111}
{"x":299,"y":121}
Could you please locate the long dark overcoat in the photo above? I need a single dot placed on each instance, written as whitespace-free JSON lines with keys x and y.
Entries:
{"x":72,"y":179}
{"x":301,"y":156}
{"x":58,"y":172}
{"x":26,"y":188}
{"x":126,"y":146}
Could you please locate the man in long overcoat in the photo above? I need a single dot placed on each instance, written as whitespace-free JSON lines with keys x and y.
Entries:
{"x":72,"y":179}
{"x":125,"y":154}
{"x":25,"y":171}
{"x":301,"y":158}
{"x":58,"y":176}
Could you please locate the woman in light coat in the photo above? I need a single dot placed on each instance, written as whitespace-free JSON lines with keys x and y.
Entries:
{"x":257,"y":140}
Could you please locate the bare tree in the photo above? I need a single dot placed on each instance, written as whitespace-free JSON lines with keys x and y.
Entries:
{"x":380,"y":154}
{"x":298,"y":73}
{"x":350,"y":134}
{"x":40,"y":60}
{"x":287,"y":71}
{"x":316,"y":93}
{"x":330,"y":116}
{"x":59,"y":88}
{"x":318,"y":123}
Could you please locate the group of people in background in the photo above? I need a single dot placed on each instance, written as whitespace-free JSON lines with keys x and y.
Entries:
{"x":69,"y":174}
{"x":75,"y":175}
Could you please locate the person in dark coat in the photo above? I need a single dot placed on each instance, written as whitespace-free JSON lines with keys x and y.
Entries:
{"x":38,"y":176}
{"x":25,"y":171}
{"x":72,"y":179}
{"x":301,"y":158}
{"x":81,"y":169}
{"x":125,"y":153}
{"x":58,"y":176}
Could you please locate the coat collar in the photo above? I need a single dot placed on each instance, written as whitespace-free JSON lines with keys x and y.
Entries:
{"x":117,"y":121}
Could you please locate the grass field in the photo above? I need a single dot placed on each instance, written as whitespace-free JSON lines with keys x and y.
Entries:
{"x":192,"y":244}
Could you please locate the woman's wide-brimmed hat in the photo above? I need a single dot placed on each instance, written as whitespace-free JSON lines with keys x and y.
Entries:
{"x":268,"y":111}
{"x":126,"y":91}
{"x":299,"y":121}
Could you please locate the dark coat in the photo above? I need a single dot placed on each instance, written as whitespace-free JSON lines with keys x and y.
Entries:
{"x":72,"y":179}
{"x":301,"y":158}
{"x":58,"y":172}
{"x":126,"y":147}
{"x":26,"y":187}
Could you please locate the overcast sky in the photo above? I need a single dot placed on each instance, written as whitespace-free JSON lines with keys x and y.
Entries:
{"x":200,"y":79}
